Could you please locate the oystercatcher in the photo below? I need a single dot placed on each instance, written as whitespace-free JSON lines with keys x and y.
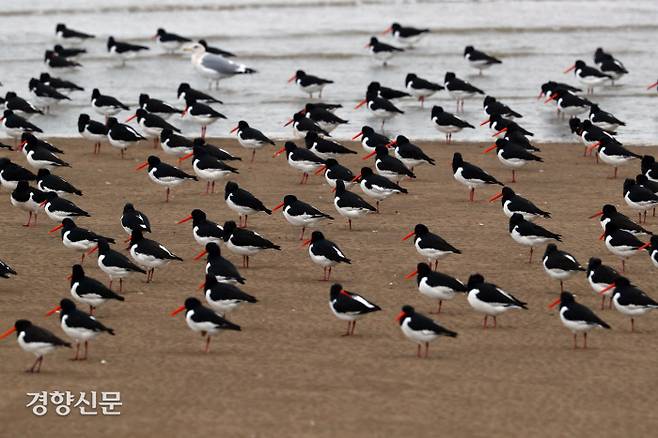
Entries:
{"x":174,"y":144}
{"x":591,"y":135}
{"x":251,"y":138}
{"x":411,"y":155}
{"x":19,"y":105}
{"x":448,"y":123}
{"x":301,"y":125}
{"x":323,"y":117}
{"x":459,"y":89}
{"x":548,"y":88}
{"x":325,"y":253}
{"x":377,"y":187}
{"x":157,"y":106}
{"x":299,"y":213}
{"x":68,"y":52}
{"x":560,"y":265}
{"x":389,"y":167}
{"x":133,"y":219}
{"x":185,"y":92}
{"x":588,"y":76}
{"x":301,"y":159}
{"x":493,"y":107}
{"x":513,"y":203}
{"x":614,"y":154}
{"x":48,"y":182}
{"x":16,"y":125}
{"x":208,"y":167}
{"x":45,"y":95}
{"x":89,"y":291}
{"x":123,"y":49}
{"x":201,"y":114}
{"x":39,"y":157}
{"x":649,"y":167}
{"x":333,"y":171}
{"x":388,"y":93}
{"x":529,"y":234}
{"x":406,"y":35}
{"x":243,"y":202}
{"x":152,"y":125}
{"x":204,"y":320}
{"x":622,"y":243}
{"x":27,"y":199}
{"x":71,"y":36}
{"x":500,"y":124}
{"x":150,"y":254}
{"x":436,"y":285}
{"x":106,"y":105}
{"x":114,"y":264}
{"x":371,"y":139}
{"x":382,"y":52}
{"x":569,"y":103}
{"x":379,"y":107}
{"x":470,"y":175}
{"x":170,"y":42}
{"x":350,"y":205}
{"x":92,"y":130}
{"x":203,"y":230}
{"x":515,"y":135}
{"x":512,"y":155}
{"x":349,"y":306}
{"x":78,"y":238}
{"x":601,"y":276}
{"x":309,"y":84}
{"x":609,"y":213}
{"x":577,"y":317}
{"x":609,"y":65}
{"x":489,"y":299}
{"x":36,"y":340}
{"x":12,"y":173}
{"x":639,"y":198}
{"x":165,"y":174}
{"x":59,"y":208}
{"x":603,"y":119}
{"x":219,"y":267}
{"x":430,"y":245}
{"x":6,"y":271}
{"x":215,"y":151}
{"x":216,"y":50}
{"x":224,"y":298}
{"x":324,"y":148}
{"x":78,"y":325}
{"x":479,"y":60}
{"x":245,"y":242}
{"x":56,"y":62}
{"x":121,"y":136}
{"x":421,"y":88}
{"x":420,"y":329}
{"x":213,"y":66}
{"x":630,"y":300}
{"x":58,"y":83}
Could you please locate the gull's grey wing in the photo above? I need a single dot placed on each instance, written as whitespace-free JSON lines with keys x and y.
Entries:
{"x":224,"y":66}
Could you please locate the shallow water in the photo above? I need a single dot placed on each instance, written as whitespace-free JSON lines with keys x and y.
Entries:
{"x":537,"y":40}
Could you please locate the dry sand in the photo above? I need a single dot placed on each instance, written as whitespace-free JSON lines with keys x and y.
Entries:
{"x":289,"y":372}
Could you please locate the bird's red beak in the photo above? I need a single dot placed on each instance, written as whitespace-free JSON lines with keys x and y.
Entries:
{"x":54,"y":310}
{"x":369,"y":155}
{"x":409,"y":235}
{"x":389,"y":29}
{"x":357,"y":135}
{"x":411,"y":275}
{"x":602,"y":236}
{"x":570,"y":68}
{"x":356,"y":178}
{"x":360,"y":104}
{"x":142,"y":165}
{"x":400,"y":316}
{"x":499,"y":132}
{"x":292,"y":78}
{"x":8,"y":332}
{"x":186,"y":156}
{"x":594,"y":146}
{"x":645,"y":246}
{"x":185,"y":219}
{"x":652,"y":85}
{"x":485,"y":122}
{"x":307,"y":242}
{"x":391,"y":143}
{"x":288,"y":122}
{"x":598,"y":214}
{"x":178,"y":310}
{"x":496,"y":196}
{"x":56,"y":228}
{"x":93,"y":250}
{"x":320,"y":170}
{"x":279,"y":152}
{"x":184,"y":111}
{"x":130,"y":118}
{"x":554,"y":303}
{"x":233,"y":130}
{"x":278,"y":206}
{"x":201,"y":254}
{"x":43,"y":203}
{"x":553,"y":96}
{"x":23,"y":143}
{"x":611,"y":286}
{"x":489,"y":149}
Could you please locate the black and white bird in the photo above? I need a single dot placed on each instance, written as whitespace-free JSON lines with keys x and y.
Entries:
{"x":56,"y":62}
{"x":157,"y":106}
{"x":186,"y":92}
{"x":6,"y":271}
{"x":609,"y":64}
{"x":302,"y":125}
{"x":376,"y":186}
{"x":170,"y":42}
{"x":245,"y":242}
{"x":208,"y":166}
{"x":650,"y":167}
{"x":251,"y":138}
{"x":459,"y":89}
{"x":334,"y":171}
{"x":216,"y":50}
{"x":629,"y":300}
{"x":421,"y":88}
{"x":560,"y":265}
{"x":436,"y":285}
{"x":222,"y":269}
{"x":577,"y":317}
{"x":420,"y":329}
{"x":89,"y":291}
{"x":71,"y":36}
{"x":501,"y":125}
{"x":152,"y":125}
{"x":609,"y":213}
{"x":19,"y":105}
{"x":325,"y":148}
{"x":68,"y":52}
{"x":78,"y":238}
{"x":379,"y":107}
{"x":429,"y":245}
{"x":165,"y":174}
{"x":492,"y":107}
{"x":215,"y":67}
{"x":132,"y":219}
{"x":406,"y":35}
{"x":614,"y":154}
{"x":639,"y":198}
{"x":106,"y":105}
{"x":588,"y":76}
{"x":204,"y":320}
{"x":49,"y":182}
{"x":45,"y":95}
{"x":489,"y":299}
{"x":569,"y":103}
{"x":512,"y":155}
{"x":150,"y":254}
{"x":301,"y":159}
{"x":201,"y":114}
{"x":387,"y":92}
{"x":79,"y":326}
{"x":350,"y":205}
{"x":514,"y":203}
{"x":601,"y":276}
{"x":622,"y":243}
{"x":389,"y":167}
{"x":530,"y":234}
{"x":28,"y":199}
{"x":11,"y":173}
{"x":57,"y":208}
{"x":92,"y":130}
{"x":121,"y":135}
{"x":349,"y":306}
{"x":411,"y":155}
{"x":123,"y":50}
{"x":58,"y":83}
{"x":479,"y":60}
{"x":325,"y":253}
{"x":371,"y":139}
{"x":16,"y":125}
{"x":114,"y":264}
{"x":299,"y":213}
{"x":174,"y":144}
{"x":309,"y":84}
{"x":603,"y":119}
{"x":224,"y":298}
{"x":470,"y":175}
{"x":38,"y":157}
{"x":36,"y":340}
{"x":447,"y":123}
{"x":203,"y":229}
{"x":323,"y":117}
{"x":382,"y":52}
{"x":243,"y":202}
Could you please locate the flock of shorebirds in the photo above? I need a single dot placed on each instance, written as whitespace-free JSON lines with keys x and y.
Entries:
{"x":51,"y":193}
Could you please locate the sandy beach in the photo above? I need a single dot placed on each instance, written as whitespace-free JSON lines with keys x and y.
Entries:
{"x":289,"y":372}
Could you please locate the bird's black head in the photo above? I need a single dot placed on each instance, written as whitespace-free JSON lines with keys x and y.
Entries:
{"x":7,"y":113}
{"x":28,"y":137}
{"x":42,"y":173}
{"x":10,"y":95}
{"x":111,"y":121}
{"x":192,"y":303}
{"x":335,"y":290}
{"x":143,"y":99}
{"x":230,"y":187}
{"x":95,"y":93}
{"x":468,"y":49}
{"x":103,"y":246}
{"x":410,"y":77}
{"x":436,"y":110}
{"x":21,"y":325}
{"x":298,"y":116}
{"x":373,"y":41}
{"x":22,"y":185}
{"x":198,"y":215}
{"x":161,"y":31}
{"x":628,"y":183}
{"x":575,"y":125}
{"x":367,"y":130}
{"x":110,"y":43}
{"x":654,"y":243}
{"x":593,"y":263}
{"x":300,"y":74}
{"x":407,"y":311}
{"x":243,"y":124}
{"x":580,"y":63}
{"x":648,"y":160}
{"x":507,"y":193}
{"x":289,"y":199}
{"x":316,"y":236}
{"x":331,"y":162}
{"x":611,"y":227}
{"x":77,"y":272}
{"x":49,"y":54}
{"x":449,"y":77}
{"x":229,"y":227}
{"x":165,"y":134}
{"x":198,"y":142}
{"x":210,"y":281}
{"x":621,"y":282}
{"x":128,"y":208}
{"x":586,"y":124}
{"x":609,"y":210}
{"x":311,"y":137}
{"x":44,"y":77}
{"x":474,"y":281}
{"x":58,"y":48}
{"x":567,"y":298}
{"x":421,"y":230}
{"x":641,"y":179}
{"x":83,"y":119}
{"x":401,"y":139}
{"x":550,"y":248}
{"x":373,"y":89}
{"x":381,"y":151}
{"x":51,"y":196}
{"x":153,"y":160}
{"x":501,"y":142}
{"x":290,"y":146}
{"x":136,"y":236}
{"x":366,"y":171}
{"x":203,"y":43}
{"x":183,"y":87}
{"x":68,"y":224}
{"x":66,"y":305}
{"x":457,"y":161}
{"x":4,"y":162}
{"x":423,"y":269}
{"x":594,"y":108}
{"x":213,"y":250}
{"x":516,"y":219}
{"x":340,"y":187}
{"x":395,"y":27}
{"x":60,"y":27}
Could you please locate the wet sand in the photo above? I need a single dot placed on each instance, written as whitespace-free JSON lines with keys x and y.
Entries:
{"x":289,"y":372}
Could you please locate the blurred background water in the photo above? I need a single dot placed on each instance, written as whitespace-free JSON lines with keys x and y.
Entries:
{"x":536,"y":40}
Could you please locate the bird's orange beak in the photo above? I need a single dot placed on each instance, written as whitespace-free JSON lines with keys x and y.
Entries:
{"x":400,"y":316}
{"x":278,"y":206}
{"x":54,"y":310}
{"x":496,"y":196}
{"x":279,"y":152}
{"x":288,"y":122}
{"x":186,"y":156}
{"x":359,"y":134}
{"x":489,"y":149}
{"x":594,"y":146}
{"x":185,"y":219}
{"x":597,"y":214}
{"x":320,"y":170}
{"x":554,"y":303}
{"x":8,"y":332}
{"x":142,"y":165}
{"x":178,"y":310}
{"x":360,"y":104}
{"x":130,"y":118}
{"x":356,"y":178}
{"x":201,"y":254}
{"x":652,"y":85}
{"x":233,"y":130}
{"x":93,"y":250}
{"x":485,"y":122}
{"x":611,"y":286}
{"x":409,"y":235}
{"x":56,"y":228}
{"x":369,"y":155}
{"x":389,"y":29}
{"x":499,"y":132}
{"x":292,"y":78}
{"x":570,"y":68}
{"x":553,"y":96}
{"x":411,"y":275}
